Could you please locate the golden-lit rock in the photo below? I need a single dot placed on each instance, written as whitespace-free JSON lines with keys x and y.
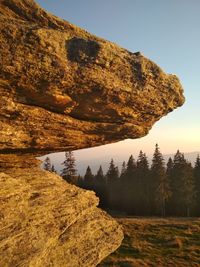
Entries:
{"x":63,"y":88}
{"x":45,"y":221}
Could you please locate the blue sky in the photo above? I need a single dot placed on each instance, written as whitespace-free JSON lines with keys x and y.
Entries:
{"x":167,"y":32}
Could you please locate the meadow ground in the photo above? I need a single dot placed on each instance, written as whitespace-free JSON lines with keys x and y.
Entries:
{"x":157,"y":242}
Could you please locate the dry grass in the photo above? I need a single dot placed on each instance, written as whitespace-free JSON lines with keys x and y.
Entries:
{"x":157,"y":242}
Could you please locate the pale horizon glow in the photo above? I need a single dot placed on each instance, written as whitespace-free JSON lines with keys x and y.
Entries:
{"x":168,"y":33}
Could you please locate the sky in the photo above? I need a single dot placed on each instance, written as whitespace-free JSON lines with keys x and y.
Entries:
{"x":165,"y":31}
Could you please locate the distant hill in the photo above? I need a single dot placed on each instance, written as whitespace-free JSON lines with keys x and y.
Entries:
{"x":94,"y":161}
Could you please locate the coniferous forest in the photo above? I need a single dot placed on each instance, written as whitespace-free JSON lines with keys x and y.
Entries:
{"x":161,"y":189}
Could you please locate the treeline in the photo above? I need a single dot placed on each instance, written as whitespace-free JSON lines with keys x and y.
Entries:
{"x":171,"y":189}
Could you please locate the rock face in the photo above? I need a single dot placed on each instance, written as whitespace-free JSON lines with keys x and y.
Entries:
{"x":45,"y":221}
{"x":63,"y":88}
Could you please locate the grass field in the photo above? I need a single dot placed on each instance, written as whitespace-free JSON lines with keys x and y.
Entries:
{"x":157,"y":242}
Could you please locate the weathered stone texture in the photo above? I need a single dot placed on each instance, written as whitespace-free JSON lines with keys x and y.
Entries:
{"x":45,"y":221}
{"x":63,"y":88}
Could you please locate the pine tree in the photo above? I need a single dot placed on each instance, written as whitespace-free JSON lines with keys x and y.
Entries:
{"x":123,"y":170}
{"x":197,"y":185}
{"x":188,"y":189}
{"x":175,"y":183}
{"x":112,"y":178}
{"x":169,"y":174}
{"x":131,"y":168}
{"x":53,"y":169}
{"x":169,"y":167}
{"x":182,"y":186}
{"x":160,"y":184}
{"x":80,"y":182}
{"x":89,"y":179}
{"x":141,"y":185}
{"x":47,"y":164}
{"x":99,"y":176}
{"x":112,"y":173}
{"x":127,"y":182}
{"x":69,"y":171}
{"x":100,"y":187}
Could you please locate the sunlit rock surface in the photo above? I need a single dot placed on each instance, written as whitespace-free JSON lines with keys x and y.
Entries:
{"x":63,"y":88}
{"x":45,"y":221}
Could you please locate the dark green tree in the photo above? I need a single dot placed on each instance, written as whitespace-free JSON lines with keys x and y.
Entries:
{"x":80,"y":181}
{"x":176,"y":172}
{"x":47,"y":164}
{"x":53,"y":169}
{"x":112,"y":184}
{"x":169,"y":173}
{"x":99,"y":177}
{"x":141,"y":185}
{"x":188,"y":189}
{"x":197,"y":185}
{"x":123,"y":169}
{"x":182,"y":186}
{"x":159,"y":184}
{"x":100,"y":187}
{"x":69,"y":171}
{"x":89,"y":179}
{"x":112,"y":173}
{"x":131,"y":168}
{"x":169,"y":167}
{"x":127,"y":181}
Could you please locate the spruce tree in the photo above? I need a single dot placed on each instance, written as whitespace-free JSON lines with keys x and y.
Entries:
{"x":169,"y":174}
{"x":197,"y":185}
{"x":112,"y":173}
{"x":141,"y":185}
{"x":47,"y":164}
{"x":175,"y":183}
{"x":69,"y":171}
{"x":182,"y":186}
{"x":100,"y":187}
{"x":99,"y":177}
{"x":80,"y":182}
{"x":112,"y":178}
{"x":131,"y":168}
{"x":89,"y":179}
{"x":128,"y":193}
{"x":53,"y":169}
{"x":169,"y":167}
{"x":159,"y":184}
{"x":123,"y":169}
{"x":188,"y":189}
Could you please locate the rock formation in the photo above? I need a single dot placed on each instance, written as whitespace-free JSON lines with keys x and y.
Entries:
{"x":63,"y":88}
{"x":46,"y":222}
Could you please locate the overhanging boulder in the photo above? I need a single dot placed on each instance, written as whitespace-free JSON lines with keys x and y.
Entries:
{"x":64,"y":89}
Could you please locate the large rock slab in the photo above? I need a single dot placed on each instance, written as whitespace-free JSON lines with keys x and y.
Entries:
{"x":63,"y":88}
{"x":45,"y":221}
